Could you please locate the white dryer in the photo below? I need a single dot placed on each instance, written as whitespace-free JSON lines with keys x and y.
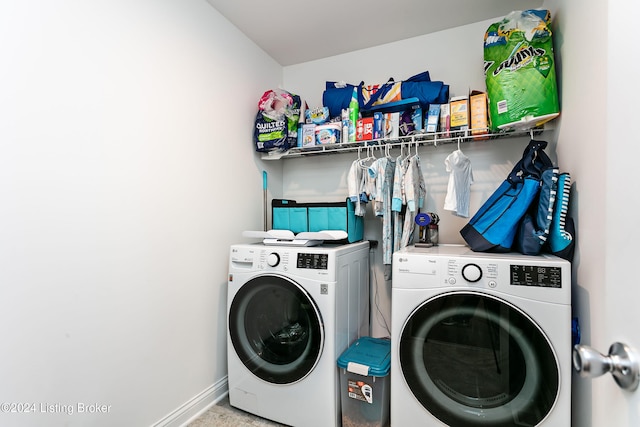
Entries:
{"x":291,"y":313}
{"x":480,"y":339}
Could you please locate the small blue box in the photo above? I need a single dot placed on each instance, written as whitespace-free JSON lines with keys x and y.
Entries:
{"x":378,"y":123}
{"x":364,"y":382}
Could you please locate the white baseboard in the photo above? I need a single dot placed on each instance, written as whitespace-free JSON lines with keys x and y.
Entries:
{"x":195,"y":406}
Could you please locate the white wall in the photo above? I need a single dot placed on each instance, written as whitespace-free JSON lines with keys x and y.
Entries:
{"x":126,"y":171}
{"x":622,"y":201}
{"x":595,"y":142}
{"x":453,"y":56}
{"x":116,"y":210}
{"x":581,"y":150}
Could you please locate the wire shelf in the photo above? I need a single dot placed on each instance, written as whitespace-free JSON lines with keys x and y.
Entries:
{"x":417,"y":139}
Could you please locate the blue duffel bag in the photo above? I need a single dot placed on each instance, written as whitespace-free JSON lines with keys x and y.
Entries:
{"x":493,"y":228}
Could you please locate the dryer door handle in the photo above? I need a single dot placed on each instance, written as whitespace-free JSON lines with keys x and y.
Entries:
{"x":621,"y":362}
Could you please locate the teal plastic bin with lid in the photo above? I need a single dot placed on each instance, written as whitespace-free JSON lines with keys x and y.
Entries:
{"x":364,"y":383}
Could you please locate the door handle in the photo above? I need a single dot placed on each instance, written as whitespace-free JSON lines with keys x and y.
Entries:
{"x":621,"y":362}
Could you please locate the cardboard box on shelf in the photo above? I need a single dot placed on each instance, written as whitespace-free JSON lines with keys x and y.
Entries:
{"x":378,"y":125}
{"x":364,"y":129}
{"x":433,"y":118}
{"x":391,"y":125}
{"x":459,"y":110}
{"x":478,"y":113}
{"x":445,"y":120}
{"x":308,"y":135}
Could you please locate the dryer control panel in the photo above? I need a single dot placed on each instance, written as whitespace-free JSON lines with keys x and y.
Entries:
{"x":480,"y":271}
{"x":544,"y":277}
{"x":536,"y":275}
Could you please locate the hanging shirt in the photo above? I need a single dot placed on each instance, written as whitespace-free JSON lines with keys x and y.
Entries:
{"x":357,"y":186}
{"x":385,"y":168}
{"x":459,"y":187}
{"x":370,"y":175}
{"x":415,"y":191}
{"x":415,"y":187}
{"x":398,"y":200}
{"x":383,"y":184}
{"x":354,"y":177}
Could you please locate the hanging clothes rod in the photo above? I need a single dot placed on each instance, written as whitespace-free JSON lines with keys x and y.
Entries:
{"x":418,"y":139}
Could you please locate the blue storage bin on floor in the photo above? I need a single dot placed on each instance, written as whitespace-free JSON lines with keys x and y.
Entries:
{"x":364,"y":383}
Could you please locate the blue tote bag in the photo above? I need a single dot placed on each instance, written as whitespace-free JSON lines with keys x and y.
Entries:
{"x":494,"y":226}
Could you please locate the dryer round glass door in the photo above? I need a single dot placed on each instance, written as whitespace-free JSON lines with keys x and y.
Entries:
{"x":276,"y":329}
{"x":475,"y":360}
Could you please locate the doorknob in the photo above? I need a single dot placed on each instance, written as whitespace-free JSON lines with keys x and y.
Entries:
{"x":622,"y":363}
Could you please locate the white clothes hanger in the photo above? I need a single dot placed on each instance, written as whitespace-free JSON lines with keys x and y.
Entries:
{"x":387,"y":150}
{"x":370,"y":157}
{"x":416,"y":154}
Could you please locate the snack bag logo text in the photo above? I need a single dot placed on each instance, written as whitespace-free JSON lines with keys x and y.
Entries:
{"x":520,"y":59}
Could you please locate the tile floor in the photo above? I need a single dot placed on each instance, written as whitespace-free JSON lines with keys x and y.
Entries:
{"x":223,"y":414}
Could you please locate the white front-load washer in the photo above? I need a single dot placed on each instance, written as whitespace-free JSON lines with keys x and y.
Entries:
{"x":291,"y":312}
{"x":480,"y":339}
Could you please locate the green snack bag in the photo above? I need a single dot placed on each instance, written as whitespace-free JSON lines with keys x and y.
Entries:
{"x":520,"y":71}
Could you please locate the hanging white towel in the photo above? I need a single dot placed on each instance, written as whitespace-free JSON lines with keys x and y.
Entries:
{"x":460,"y":179}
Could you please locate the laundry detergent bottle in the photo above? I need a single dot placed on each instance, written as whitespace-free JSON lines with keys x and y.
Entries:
{"x":354,"y":114}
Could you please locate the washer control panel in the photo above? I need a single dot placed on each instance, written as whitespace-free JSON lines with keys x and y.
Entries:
{"x":274,"y":259}
{"x":317,"y":261}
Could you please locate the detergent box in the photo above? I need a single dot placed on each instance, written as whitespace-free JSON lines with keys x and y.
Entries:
{"x":478,"y":114}
{"x":307,"y":135}
{"x":378,"y":125}
{"x":364,"y":129}
{"x":433,"y":117}
{"x":364,"y":383}
{"x":445,"y":119}
{"x":328,"y":134}
{"x":391,"y":125}
{"x":459,"y":113}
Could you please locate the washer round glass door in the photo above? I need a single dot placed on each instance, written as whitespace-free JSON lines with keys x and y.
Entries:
{"x":475,"y":360}
{"x":276,"y":329}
